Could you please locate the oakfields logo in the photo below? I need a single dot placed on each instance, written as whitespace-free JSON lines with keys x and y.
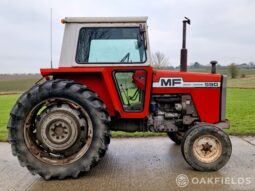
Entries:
{"x":182,"y":180}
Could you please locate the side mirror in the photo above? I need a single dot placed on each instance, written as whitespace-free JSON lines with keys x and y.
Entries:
{"x":139,"y":78}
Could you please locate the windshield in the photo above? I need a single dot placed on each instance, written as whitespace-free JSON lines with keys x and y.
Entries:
{"x":110,"y":45}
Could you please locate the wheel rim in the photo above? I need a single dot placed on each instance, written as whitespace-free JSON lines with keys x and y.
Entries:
{"x":207,"y":148}
{"x":58,"y":131}
{"x":58,"y":127}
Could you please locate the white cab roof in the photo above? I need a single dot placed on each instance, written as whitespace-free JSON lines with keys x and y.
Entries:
{"x":104,"y":20}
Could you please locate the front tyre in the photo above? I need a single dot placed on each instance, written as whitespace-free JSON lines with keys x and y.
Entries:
{"x":58,"y":129}
{"x":176,"y":137}
{"x":206,"y":148}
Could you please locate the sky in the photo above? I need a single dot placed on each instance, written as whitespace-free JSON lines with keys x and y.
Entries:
{"x":220,"y":30}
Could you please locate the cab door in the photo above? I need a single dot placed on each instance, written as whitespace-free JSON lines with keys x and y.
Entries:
{"x":133,"y":86}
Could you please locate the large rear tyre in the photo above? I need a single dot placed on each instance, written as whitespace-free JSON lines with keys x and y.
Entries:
{"x":59,"y":129}
{"x":206,"y":147}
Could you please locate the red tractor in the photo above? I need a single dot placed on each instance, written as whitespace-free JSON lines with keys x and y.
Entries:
{"x":105,"y":82}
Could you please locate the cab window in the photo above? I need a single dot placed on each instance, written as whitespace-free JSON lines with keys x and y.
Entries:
{"x":110,"y":45}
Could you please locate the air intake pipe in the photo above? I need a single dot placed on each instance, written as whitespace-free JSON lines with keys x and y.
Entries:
{"x":184,"y":51}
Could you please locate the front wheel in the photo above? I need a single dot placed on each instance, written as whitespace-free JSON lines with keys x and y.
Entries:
{"x":176,"y":136}
{"x":58,"y":129}
{"x":206,"y":147}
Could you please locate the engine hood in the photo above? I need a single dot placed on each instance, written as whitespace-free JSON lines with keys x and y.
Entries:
{"x":169,"y":78}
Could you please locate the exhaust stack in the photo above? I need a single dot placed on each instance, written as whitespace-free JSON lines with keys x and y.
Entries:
{"x":184,"y":51}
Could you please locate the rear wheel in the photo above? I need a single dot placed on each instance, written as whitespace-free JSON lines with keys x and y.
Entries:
{"x":206,"y":148}
{"x":59,"y":129}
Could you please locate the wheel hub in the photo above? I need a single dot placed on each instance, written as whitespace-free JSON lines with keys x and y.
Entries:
{"x":59,"y":132}
{"x":207,"y":148}
{"x":58,"y":128}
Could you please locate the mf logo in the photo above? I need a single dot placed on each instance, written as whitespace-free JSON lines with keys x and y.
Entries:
{"x":178,"y":82}
{"x":170,"y":82}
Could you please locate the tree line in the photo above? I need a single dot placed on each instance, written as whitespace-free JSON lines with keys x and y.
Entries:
{"x":161,"y":61}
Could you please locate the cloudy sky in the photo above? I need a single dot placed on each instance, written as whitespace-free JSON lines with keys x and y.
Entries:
{"x":221,"y":30}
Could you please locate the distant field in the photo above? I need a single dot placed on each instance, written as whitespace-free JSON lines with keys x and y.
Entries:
{"x":240,"y":112}
{"x":225,"y":71}
{"x":17,"y":83}
{"x":247,"y":82}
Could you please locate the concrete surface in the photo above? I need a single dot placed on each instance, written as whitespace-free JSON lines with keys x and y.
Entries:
{"x":140,"y":164}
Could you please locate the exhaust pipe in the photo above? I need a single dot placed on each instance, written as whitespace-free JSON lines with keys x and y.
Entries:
{"x":213,"y":69}
{"x":184,"y":51}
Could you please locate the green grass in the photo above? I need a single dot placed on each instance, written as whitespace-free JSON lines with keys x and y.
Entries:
{"x":6,"y":103}
{"x":121,"y":134}
{"x":240,"y":112}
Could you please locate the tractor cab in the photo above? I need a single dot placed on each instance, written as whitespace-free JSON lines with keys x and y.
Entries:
{"x":121,"y":41}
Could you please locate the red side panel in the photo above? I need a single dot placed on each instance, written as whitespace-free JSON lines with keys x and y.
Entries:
{"x":100,"y":80}
{"x":206,"y":99}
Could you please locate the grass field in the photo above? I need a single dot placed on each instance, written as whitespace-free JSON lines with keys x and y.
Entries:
{"x":224,"y":71}
{"x":17,"y":83}
{"x":247,"y":82}
{"x":6,"y":103}
{"x":240,"y":112}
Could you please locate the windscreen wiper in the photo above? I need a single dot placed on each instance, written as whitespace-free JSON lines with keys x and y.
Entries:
{"x":125,"y":57}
